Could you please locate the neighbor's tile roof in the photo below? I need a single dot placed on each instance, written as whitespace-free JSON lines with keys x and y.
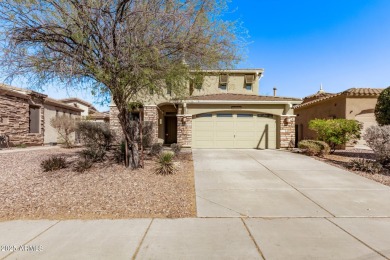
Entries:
{"x":352,"y":92}
{"x":240,"y":97}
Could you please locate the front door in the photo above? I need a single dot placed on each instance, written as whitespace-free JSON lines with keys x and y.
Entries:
{"x":170,"y":129}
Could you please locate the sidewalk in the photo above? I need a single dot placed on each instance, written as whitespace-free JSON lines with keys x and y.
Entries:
{"x":27,"y":149}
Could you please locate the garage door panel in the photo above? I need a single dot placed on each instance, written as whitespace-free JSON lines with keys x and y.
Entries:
{"x":234,"y":132}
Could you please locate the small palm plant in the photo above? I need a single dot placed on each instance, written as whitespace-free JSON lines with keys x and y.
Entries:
{"x":165,"y":164}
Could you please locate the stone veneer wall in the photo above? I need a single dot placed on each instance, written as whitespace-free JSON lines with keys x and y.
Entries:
{"x":184,"y":130}
{"x":115,"y":126}
{"x":287,"y":131}
{"x":14,"y":121}
{"x":151,"y":115}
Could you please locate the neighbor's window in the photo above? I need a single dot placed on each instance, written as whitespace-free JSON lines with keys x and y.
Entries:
{"x":34,"y":119}
{"x":248,"y":87}
{"x":169,"y":91}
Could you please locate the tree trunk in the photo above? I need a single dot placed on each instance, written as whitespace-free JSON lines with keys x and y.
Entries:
{"x":130,"y":132}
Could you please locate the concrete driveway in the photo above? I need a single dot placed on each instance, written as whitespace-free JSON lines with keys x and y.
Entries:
{"x":293,"y":206}
{"x":251,"y":205}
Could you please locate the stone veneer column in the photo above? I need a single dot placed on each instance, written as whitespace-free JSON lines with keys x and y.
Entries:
{"x":287,"y":131}
{"x":184,"y":130}
{"x":151,"y":115}
{"x":115,"y":126}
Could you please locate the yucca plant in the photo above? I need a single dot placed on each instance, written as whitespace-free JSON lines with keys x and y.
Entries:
{"x":165,"y":164}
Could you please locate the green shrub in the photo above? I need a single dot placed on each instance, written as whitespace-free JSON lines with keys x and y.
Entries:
{"x":165,"y":164}
{"x":310,"y":147}
{"x":53,"y":163}
{"x":382,"y":108}
{"x":378,"y":139}
{"x":365,"y":165}
{"x":82,"y":165}
{"x":176,"y":148}
{"x":324,"y":147}
{"x":335,"y":131}
{"x":156,"y":149}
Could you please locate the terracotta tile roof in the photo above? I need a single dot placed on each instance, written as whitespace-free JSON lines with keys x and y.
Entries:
{"x":57,"y":103}
{"x":363,"y":91}
{"x":74,"y":99}
{"x":352,"y":92}
{"x":99,"y":115}
{"x":240,"y":97}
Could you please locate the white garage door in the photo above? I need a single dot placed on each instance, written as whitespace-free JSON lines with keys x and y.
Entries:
{"x":234,"y":130}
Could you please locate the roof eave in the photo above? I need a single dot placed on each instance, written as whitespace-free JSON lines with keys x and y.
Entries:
{"x":246,"y":102}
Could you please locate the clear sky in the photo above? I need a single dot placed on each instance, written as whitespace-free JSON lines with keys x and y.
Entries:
{"x":303,"y":43}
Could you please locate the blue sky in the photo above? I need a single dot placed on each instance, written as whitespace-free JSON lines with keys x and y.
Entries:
{"x":303,"y":43}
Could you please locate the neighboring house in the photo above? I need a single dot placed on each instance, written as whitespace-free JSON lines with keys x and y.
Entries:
{"x":354,"y":103}
{"x":89,"y":111}
{"x":223,"y":112}
{"x":25,"y":115}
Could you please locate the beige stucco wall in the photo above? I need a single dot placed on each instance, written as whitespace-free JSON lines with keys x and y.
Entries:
{"x":51,"y":134}
{"x":358,"y":108}
{"x":236,"y":84}
{"x":327,"y":109}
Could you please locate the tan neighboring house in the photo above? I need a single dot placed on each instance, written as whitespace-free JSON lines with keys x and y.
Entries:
{"x":89,"y":111}
{"x":354,"y":103}
{"x":223,"y":112}
{"x":25,"y":115}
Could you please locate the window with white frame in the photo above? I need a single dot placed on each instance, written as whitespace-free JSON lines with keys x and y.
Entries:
{"x":249,"y":80}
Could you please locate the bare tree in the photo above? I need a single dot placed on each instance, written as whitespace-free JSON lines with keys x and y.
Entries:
{"x":121,"y":48}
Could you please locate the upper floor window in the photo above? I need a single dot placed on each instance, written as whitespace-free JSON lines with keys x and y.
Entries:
{"x":249,"y":80}
{"x":223,"y":82}
{"x":169,"y":91}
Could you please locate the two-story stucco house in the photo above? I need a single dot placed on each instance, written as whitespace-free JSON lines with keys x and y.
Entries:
{"x":223,"y":112}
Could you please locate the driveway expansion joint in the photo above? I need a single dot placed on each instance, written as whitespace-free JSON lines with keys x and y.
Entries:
{"x":142,"y":240}
{"x":373,"y":249}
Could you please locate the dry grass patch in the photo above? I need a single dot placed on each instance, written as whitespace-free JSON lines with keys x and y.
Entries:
{"x":104,"y":191}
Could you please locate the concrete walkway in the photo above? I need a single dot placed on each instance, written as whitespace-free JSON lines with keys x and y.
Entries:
{"x":251,"y":205}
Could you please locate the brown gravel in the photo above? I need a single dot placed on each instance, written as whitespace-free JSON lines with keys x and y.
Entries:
{"x":341,"y":158}
{"x":26,"y":192}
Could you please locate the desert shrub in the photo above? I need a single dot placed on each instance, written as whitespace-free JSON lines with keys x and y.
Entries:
{"x":165,"y":164}
{"x":53,"y":163}
{"x":82,"y":165}
{"x":365,"y":165}
{"x":324,"y":147}
{"x":94,"y":134}
{"x":147,"y":134}
{"x":310,"y":147}
{"x":65,"y":126}
{"x":120,"y":153}
{"x":382,"y":108}
{"x":156,"y":149}
{"x":335,"y":131}
{"x":93,"y":155}
{"x":176,"y":148}
{"x":378,"y":139}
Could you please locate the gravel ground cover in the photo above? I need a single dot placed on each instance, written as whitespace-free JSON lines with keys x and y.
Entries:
{"x":340,"y":158}
{"x":105,"y":191}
